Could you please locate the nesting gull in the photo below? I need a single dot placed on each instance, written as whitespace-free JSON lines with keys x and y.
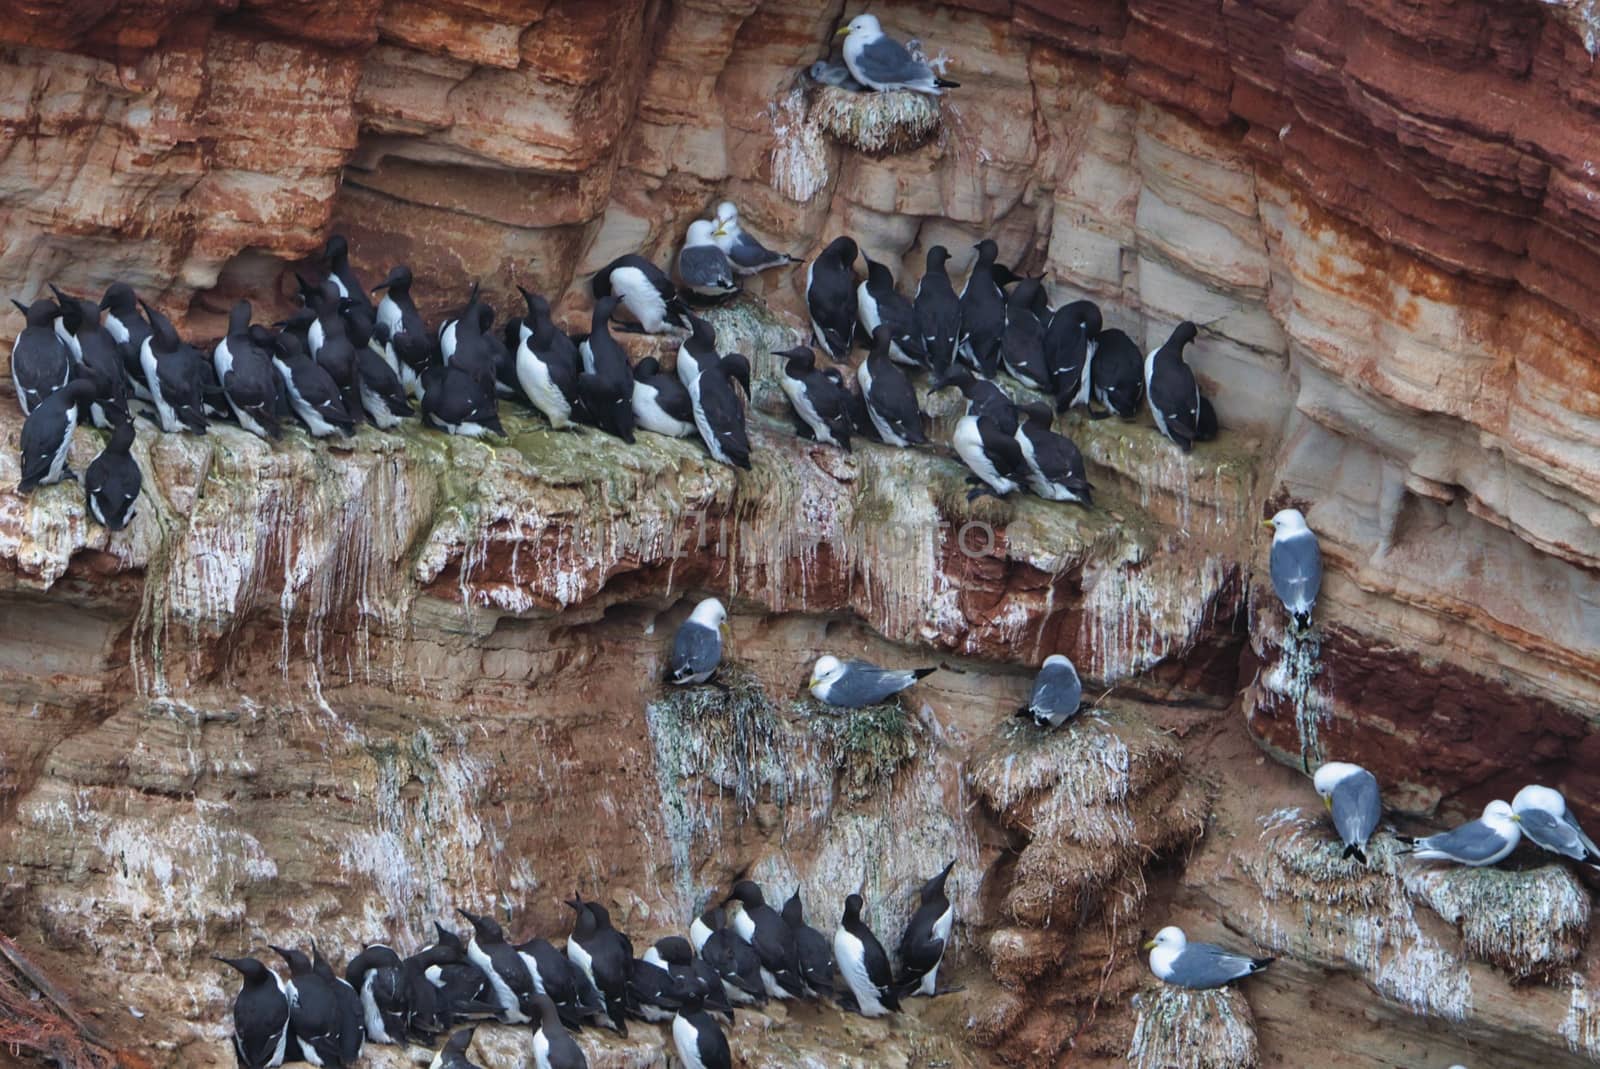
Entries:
{"x":703,"y":266}
{"x":880,"y":62}
{"x":1351,"y":795}
{"x":747,"y":255}
{"x":853,"y":684}
{"x":1295,"y":564}
{"x":835,"y":74}
{"x":697,"y":647}
{"x":1545,"y":819}
{"x":1477,"y":842}
{"x":1057,"y":693}
{"x":1181,"y":963}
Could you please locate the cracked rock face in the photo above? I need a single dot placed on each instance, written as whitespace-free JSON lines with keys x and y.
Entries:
{"x":341,"y":689}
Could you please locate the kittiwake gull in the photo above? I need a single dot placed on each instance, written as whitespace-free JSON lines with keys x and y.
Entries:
{"x":1181,"y":963}
{"x":697,"y":647}
{"x":1546,"y":820}
{"x":747,"y":255}
{"x":853,"y":684}
{"x":880,"y":62}
{"x":1057,"y":693}
{"x":1295,"y":564}
{"x":1351,"y":794}
{"x":1477,"y":842}
{"x":703,"y":267}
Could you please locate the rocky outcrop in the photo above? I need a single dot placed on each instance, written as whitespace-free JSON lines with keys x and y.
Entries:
{"x":366,"y":673}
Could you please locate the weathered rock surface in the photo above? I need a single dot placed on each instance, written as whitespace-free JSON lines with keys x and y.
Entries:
{"x":341,"y":689}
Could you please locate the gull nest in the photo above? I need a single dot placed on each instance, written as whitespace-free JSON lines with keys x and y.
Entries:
{"x":877,"y":123}
{"x":1179,"y":1029}
{"x":1530,"y":923}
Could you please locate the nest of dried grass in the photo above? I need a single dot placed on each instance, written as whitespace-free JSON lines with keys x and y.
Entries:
{"x":877,"y":123}
{"x":1529,"y":923}
{"x":1179,"y":1029}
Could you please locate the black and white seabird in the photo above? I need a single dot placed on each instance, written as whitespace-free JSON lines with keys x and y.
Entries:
{"x":547,"y":363}
{"x":709,"y":378}
{"x":863,"y":963}
{"x":938,"y":312}
{"x":336,"y":254}
{"x":557,"y":978}
{"x":654,"y":994}
{"x":315,"y":1017}
{"x":94,"y":349}
{"x":606,"y":383}
{"x":172,"y":373}
{"x":312,"y":394}
{"x":661,"y":403}
{"x":747,"y":255}
{"x":1544,"y":816}
{"x":879,"y":62}
{"x":248,"y":379}
{"x":128,"y":328}
{"x":854,"y":684}
{"x":605,"y":956}
{"x":405,"y":329}
{"x":645,"y":290}
{"x":698,"y":1038}
{"x":466,"y":344}
{"x":1351,"y":794}
{"x":502,"y":966}
{"x":820,"y":400}
{"x":677,"y":956}
{"x":40,"y":360}
{"x":260,"y":1015}
{"x":813,"y":953}
{"x":734,"y":960}
{"x":1022,"y":342}
{"x":1117,"y":375}
{"x":1052,"y":462}
{"x":1057,"y":693}
{"x":697,"y":646}
{"x":443,"y":987}
{"x":112,"y":480}
{"x":383,"y":395}
{"x":891,"y":402}
{"x":1170,"y":387}
{"x":47,"y":435}
{"x":1181,"y":963}
{"x":1070,"y":344}
{"x":553,"y":1047}
{"x":704,"y":268}
{"x":1295,"y":564}
{"x":831,"y":297}
{"x":762,"y":927}
{"x":457,"y":403}
{"x":985,"y":437}
{"x":378,"y":977}
{"x":453,"y":1055}
{"x":927,"y":934}
{"x":328,"y":342}
{"x":983,"y":313}
{"x":352,"y":1024}
{"x":877,"y":301}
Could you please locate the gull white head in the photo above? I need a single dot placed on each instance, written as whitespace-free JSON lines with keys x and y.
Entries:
{"x":1502,"y":818}
{"x":1059,"y":660}
{"x":1165,"y":948}
{"x":865,"y":27}
{"x":1288,"y":522}
{"x":828,"y":668}
{"x":701,"y":232}
{"x":1331,"y":775}
{"x":727,"y":215}
{"x":710,"y":613}
{"x":1543,"y":798}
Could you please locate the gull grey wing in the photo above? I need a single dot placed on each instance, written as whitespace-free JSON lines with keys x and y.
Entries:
{"x":865,"y":684}
{"x":1588,"y":843}
{"x":705,"y":265}
{"x":750,"y":253}
{"x":1474,"y":841}
{"x":1057,"y":691}
{"x":1296,"y":567}
{"x":696,"y":650}
{"x":1203,"y":965}
{"x":887,"y":62}
{"x":1552,"y":833}
{"x":1357,"y":807}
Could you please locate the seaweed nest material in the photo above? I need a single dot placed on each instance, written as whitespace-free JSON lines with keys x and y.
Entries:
{"x":1179,"y":1029}
{"x":877,"y":123}
{"x":1529,"y":923}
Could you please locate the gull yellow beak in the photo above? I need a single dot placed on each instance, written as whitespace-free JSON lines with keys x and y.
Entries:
{"x":1327,"y":803}
{"x":812,"y":682}
{"x":1268,"y":523}
{"x":727,"y":632}
{"x":1149,"y":944}
{"x":842,"y":31}
{"x":719,"y":232}
{"x":1516,"y":817}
